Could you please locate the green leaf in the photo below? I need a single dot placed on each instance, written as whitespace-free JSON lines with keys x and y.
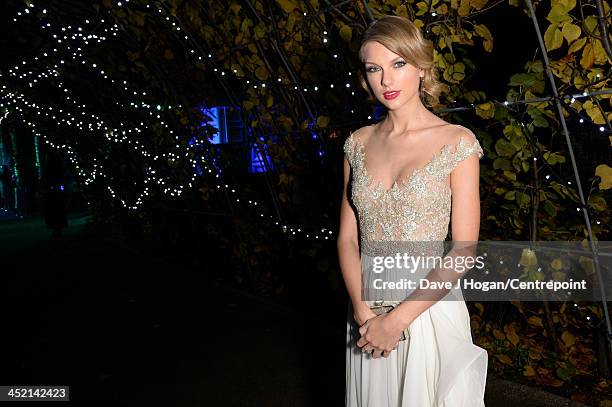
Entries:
{"x":346,"y":33}
{"x":322,"y":121}
{"x":553,"y":37}
{"x":528,"y":80}
{"x":485,"y":110}
{"x":523,"y":79}
{"x":558,"y":14}
{"x":605,"y":173}
{"x":291,"y":20}
{"x":422,"y":8}
{"x":477,"y":4}
{"x":591,"y":24}
{"x":443,"y":9}
{"x":510,"y":175}
{"x":600,"y":53}
{"x":401,"y":11}
{"x":502,"y":164}
{"x":455,"y":72}
{"x":500,"y":191}
{"x":550,"y":208}
{"x":525,"y":166}
{"x":554,"y":158}
{"x":261,"y":73}
{"x":504,"y":148}
{"x":568,"y":5}
{"x":538,"y":118}
{"x":598,"y":203}
{"x":560,"y":9}
{"x":287,"y":5}
{"x":522,"y":199}
{"x":514,"y":134}
{"x":594,"y":112}
{"x":483,"y":31}
{"x":565,"y":374}
{"x":571,"y":32}
{"x":464,"y":8}
{"x":576,"y":45}
{"x":260,"y":31}
{"x":588,"y":56}
{"x":510,"y":195}
{"x":535,"y":66}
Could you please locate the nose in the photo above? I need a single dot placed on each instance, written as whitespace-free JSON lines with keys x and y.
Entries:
{"x":385,"y":79}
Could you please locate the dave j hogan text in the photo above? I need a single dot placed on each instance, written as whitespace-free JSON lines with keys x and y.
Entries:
{"x":473,"y":284}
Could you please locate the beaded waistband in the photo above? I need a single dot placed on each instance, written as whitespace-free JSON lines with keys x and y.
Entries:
{"x":413,"y":248}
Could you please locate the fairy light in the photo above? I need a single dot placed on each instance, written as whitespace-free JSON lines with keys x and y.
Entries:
{"x":121,"y":135}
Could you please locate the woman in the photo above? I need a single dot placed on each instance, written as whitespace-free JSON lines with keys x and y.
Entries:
{"x":399,"y":174}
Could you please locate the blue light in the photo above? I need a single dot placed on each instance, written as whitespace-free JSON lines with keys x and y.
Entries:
{"x":213,"y":114}
{"x":260,"y":155}
{"x":61,"y":187}
{"x":257,"y":158}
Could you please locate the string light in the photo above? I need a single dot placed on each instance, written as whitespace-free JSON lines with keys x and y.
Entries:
{"x":121,"y":135}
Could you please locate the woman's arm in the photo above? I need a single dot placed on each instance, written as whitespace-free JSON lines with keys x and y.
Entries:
{"x":465,"y":229}
{"x":348,"y":254}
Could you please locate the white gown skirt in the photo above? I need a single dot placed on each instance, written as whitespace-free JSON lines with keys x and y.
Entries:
{"x":438,"y":366}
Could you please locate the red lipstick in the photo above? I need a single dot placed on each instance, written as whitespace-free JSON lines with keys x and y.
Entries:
{"x":391,"y":94}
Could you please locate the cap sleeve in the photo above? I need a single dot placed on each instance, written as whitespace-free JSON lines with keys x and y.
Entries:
{"x":468,"y":144}
{"x":466,"y":147}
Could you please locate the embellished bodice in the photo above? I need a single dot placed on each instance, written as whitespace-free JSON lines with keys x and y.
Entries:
{"x":418,"y":208}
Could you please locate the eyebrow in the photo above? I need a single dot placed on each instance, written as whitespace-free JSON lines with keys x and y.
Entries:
{"x":393,"y":60}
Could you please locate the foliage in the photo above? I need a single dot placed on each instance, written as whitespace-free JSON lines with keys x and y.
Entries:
{"x":518,"y":350}
{"x":528,"y":185}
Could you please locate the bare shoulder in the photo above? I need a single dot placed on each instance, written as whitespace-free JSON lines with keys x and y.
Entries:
{"x":363,"y":133}
{"x":459,"y":132}
{"x":446,"y":134}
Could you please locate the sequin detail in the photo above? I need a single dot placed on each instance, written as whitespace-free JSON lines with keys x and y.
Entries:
{"x":417,"y":208}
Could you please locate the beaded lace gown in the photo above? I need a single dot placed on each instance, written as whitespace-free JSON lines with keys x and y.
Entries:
{"x":438,"y":365}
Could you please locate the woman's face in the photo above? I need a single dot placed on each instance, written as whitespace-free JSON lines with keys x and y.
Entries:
{"x":391,"y":78}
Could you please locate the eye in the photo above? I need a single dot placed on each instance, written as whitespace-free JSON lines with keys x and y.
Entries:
{"x":400,"y":62}
{"x":370,"y":69}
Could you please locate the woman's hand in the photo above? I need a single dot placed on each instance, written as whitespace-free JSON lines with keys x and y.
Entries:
{"x":363,"y":314}
{"x":381,"y":334}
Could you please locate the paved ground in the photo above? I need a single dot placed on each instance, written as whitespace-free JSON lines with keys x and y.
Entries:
{"x":123,"y":329}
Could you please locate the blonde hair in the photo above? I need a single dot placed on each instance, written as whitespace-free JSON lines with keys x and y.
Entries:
{"x":401,"y":36}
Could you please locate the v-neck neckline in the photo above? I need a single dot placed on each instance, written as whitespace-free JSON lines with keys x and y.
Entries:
{"x":405,"y":180}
